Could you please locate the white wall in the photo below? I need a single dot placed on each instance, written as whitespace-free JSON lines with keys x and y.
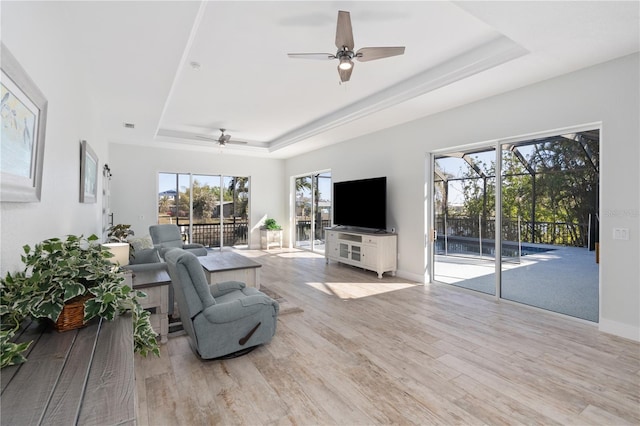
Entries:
{"x":31,"y":31}
{"x":134,"y":183}
{"x":607,"y":93}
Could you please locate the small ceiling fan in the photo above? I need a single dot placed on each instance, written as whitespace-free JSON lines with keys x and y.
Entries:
{"x":223,"y":139}
{"x":345,"y":53}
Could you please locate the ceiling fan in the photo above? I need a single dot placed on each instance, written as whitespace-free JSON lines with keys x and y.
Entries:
{"x":223,"y":139}
{"x":345,"y":53}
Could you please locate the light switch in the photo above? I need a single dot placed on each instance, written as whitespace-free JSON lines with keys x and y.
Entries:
{"x":620,"y":233}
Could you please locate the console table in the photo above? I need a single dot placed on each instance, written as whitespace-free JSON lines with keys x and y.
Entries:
{"x":84,"y":376}
{"x":230,"y":266}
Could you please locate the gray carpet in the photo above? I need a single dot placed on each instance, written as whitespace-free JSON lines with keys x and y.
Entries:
{"x":286,"y":307}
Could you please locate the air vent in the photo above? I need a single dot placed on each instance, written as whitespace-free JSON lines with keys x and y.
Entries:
{"x":129,"y":125}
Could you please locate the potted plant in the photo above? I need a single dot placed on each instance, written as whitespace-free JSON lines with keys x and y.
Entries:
{"x":271,"y":225}
{"x":69,"y":282}
{"x":118,"y":234}
{"x":271,"y":234}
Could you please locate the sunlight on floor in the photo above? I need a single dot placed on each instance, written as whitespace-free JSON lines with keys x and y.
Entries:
{"x":300,"y":254}
{"x":357,"y":290}
{"x":284,"y":252}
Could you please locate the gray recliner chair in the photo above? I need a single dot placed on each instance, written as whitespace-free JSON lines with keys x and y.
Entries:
{"x":167,"y":236}
{"x":223,"y":318}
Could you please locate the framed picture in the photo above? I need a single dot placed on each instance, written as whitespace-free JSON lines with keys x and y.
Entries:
{"x":23,"y":109}
{"x":88,"y":174}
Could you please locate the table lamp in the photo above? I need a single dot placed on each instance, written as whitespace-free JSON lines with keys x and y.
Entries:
{"x":120,"y":253}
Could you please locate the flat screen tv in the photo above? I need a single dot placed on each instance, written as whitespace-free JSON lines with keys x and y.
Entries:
{"x":361,"y":203}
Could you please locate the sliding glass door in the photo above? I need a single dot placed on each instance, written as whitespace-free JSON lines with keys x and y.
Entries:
{"x":464,"y":210}
{"x":212,"y":210}
{"x":312,"y":210}
{"x":549,"y":223}
{"x":545,"y":206}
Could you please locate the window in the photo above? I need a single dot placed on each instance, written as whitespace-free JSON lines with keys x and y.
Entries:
{"x":212,"y":210}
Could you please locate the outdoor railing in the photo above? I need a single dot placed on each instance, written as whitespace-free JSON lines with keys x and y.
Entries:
{"x":557,"y":233}
{"x":463,"y":230}
{"x":303,"y":230}
{"x":235,"y":232}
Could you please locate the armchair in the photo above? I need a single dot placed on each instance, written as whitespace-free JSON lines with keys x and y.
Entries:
{"x":223,"y":318}
{"x":167,"y":236}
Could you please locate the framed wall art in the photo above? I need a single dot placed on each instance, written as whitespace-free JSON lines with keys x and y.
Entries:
{"x":88,"y":174}
{"x":23,"y":109}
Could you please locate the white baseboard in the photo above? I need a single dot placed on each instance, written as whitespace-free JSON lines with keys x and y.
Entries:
{"x":410,"y":276}
{"x":619,"y":329}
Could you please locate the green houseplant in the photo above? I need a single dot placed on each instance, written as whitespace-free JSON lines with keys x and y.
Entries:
{"x":271,"y":225}
{"x":58,"y":272}
{"x":119,"y":233}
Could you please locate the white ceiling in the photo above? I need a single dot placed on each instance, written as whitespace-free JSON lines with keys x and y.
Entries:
{"x":138,"y":57}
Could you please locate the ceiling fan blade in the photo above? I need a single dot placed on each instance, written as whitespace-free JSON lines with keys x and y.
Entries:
{"x":372,"y":53}
{"x":238,"y":142}
{"x":317,"y":56}
{"x":345,"y":75}
{"x":344,"y":32}
{"x":207,"y":138}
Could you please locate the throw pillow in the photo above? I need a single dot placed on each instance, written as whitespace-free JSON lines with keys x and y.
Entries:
{"x":140,"y":243}
{"x":145,"y":256}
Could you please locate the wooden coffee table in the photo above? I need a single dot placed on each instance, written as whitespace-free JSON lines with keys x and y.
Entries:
{"x":230,"y":266}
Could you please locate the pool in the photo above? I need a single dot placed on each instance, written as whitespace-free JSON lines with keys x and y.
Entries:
{"x":471,"y":246}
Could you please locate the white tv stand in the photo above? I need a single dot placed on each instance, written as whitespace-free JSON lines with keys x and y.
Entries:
{"x":373,"y":251}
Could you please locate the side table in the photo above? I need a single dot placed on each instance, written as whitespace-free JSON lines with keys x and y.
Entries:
{"x":270,"y":237}
{"x":156,"y":286}
{"x":230,"y":266}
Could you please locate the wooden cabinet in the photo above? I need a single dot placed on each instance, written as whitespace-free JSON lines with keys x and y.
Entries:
{"x":375,"y":252}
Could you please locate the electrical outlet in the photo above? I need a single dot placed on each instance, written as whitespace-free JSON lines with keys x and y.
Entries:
{"x":621,"y":234}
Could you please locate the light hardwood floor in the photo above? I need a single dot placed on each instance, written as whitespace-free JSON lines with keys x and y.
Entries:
{"x":368,"y":351}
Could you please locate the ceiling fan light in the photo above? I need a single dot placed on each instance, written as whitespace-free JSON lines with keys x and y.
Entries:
{"x":345,"y":63}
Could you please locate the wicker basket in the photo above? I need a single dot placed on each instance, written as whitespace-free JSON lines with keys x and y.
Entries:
{"x":72,"y":315}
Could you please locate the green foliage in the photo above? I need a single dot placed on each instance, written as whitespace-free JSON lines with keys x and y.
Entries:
{"x":205,"y":199}
{"x":559,"y":175}
{"x":62,"y":270}
{"x":11,"y":353}
{"x":238,"y":192}
{"x":271,"y":224}
{"x":57,"y":271}
{"x":145,"y":338}
{"x":12,"y":312}
{"x":119,"y":233}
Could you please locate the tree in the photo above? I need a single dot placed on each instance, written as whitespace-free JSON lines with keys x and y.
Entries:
{"x":164,"y":205}
{"x":204,"y":200}
{"x":238,"y":192}
{"x":557,"y":182}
